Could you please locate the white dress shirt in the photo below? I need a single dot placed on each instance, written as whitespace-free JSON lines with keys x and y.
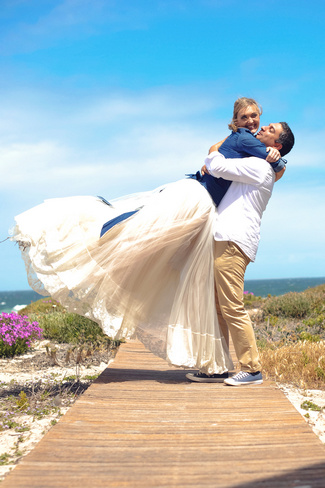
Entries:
{"x":239,"y":214}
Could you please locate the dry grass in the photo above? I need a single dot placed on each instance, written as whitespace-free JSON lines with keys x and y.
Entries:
{"x":301,"y":364}
{"x":290,"y":333}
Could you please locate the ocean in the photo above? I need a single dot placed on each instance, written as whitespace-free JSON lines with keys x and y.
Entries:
{"x":16,"y":300}
{"x":277,"y":287}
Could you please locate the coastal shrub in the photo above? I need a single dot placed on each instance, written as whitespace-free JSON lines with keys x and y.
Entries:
{"x":318,"y":294}
{"x":294,"y":305}
{"x":17,"y":334}
{"x":306,"y":336}
{"x":65,"y":327}
{"x":252,"y":301}
{"x":61,"y":326}
{"x":277,"y":331}
{"x":44,"y":305}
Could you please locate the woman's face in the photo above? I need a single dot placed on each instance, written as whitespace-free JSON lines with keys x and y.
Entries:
{"x":249,"y":118}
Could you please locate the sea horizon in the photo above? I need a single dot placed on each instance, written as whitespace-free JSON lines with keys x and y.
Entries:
{"x":15,"y":300}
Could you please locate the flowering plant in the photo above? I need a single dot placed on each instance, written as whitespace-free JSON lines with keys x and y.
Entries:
{"x":17,"y":334}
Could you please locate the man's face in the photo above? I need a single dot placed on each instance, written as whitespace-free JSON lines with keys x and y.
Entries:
{"x":269,"y":134}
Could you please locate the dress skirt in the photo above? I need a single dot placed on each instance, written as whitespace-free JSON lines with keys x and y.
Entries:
{"x":148,"y":277}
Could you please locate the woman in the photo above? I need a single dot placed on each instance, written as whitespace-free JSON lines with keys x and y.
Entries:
{"x":150,"y":276}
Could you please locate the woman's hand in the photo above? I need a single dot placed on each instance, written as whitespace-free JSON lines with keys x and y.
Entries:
{"x":204,"y":170}
{"x":273,"y":155}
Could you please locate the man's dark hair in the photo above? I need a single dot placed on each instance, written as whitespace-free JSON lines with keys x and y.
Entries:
{"x":286,"y":138}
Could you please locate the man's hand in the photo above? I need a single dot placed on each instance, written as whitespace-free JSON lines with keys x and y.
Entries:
{"x":204,"y":170}
{"x":273,"y":155}
{"x":280,"y":174}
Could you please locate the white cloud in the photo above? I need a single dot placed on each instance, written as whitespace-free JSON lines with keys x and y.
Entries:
{"x":152,"y":138}
{"x":308,"y":150}
{"x":296,"y":215}
{"x":18,"y":158}
{"x":292,"y":234}
{"x":163,"y":103}
{"x":140,"y":156}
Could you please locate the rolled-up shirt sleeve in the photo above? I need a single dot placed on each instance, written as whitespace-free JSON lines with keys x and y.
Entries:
{"x":250,"y":170}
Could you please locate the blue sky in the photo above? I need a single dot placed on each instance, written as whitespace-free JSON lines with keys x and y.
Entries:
{"x":114,"y":97}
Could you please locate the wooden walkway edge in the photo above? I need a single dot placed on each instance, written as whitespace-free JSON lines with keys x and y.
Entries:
{"x":142,"y":424}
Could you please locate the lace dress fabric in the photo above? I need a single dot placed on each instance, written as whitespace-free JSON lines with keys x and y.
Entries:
{"x":149,"y":277}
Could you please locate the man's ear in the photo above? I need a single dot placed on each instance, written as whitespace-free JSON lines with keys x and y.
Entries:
{"x":278,"y":146}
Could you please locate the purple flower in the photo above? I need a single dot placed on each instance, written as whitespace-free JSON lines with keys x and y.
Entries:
{"x":16,"y":328}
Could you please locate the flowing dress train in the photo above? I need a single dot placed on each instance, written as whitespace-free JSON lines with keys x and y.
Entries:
{"x":148,"y":277}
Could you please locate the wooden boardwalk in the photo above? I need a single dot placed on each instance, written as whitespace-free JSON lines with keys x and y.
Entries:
{"x":142,"y":424}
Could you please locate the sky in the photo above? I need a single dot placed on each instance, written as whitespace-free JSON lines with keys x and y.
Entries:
{"x":116,"y":97}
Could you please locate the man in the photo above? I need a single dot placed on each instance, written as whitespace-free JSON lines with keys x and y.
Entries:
{"x":237,"y":234}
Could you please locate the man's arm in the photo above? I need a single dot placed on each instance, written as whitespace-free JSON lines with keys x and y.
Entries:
{"x":278,"y":176}
{"x":252,"y":170}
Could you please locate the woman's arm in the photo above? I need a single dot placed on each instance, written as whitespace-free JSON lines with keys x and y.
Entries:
{"x":273,"y":155}
{"x":270,"y":153}
{"x":248,"y":143}
{"x":215,"y":147}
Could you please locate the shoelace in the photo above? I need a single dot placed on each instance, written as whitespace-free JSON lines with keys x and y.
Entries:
{"x":241,"y":374}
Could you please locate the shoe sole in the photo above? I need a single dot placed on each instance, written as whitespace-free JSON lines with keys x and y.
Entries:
{"x":191,"y":377}
{"x":231,"y":382}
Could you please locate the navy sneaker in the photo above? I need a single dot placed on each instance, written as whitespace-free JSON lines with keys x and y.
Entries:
{"x":207,"y":378}
{"x":243,"y":378}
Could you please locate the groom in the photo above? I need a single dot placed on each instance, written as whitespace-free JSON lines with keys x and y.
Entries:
{"x":237,"y":234}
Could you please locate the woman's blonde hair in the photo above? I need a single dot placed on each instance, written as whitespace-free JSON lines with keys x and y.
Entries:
{"x":240,"y":103}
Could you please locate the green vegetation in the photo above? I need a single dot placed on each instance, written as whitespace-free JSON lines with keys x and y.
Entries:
{"x":308,"y":405}
{"x":44,"y":305}
{"x":4,"y":459}
{"x":292,"y":317}
{"x":252,"y":301}
{"x":291,"y":305}
{"x":64,"y":327}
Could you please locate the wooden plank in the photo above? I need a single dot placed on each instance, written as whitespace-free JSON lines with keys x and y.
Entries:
{"x":142,"y":424}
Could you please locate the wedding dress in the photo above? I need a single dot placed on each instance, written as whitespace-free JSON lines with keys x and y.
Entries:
{"x":149,"y":276}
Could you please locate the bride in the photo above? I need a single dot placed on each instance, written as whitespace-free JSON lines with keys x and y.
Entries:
{"x":140,"y":266}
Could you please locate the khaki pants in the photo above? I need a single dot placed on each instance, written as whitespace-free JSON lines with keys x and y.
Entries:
{"x":229,"y":270}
